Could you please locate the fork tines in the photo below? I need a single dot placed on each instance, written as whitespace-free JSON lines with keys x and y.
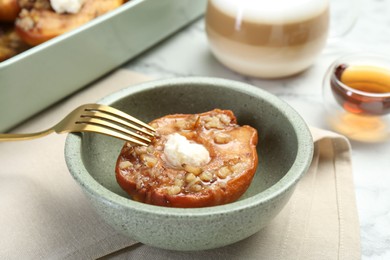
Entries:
{"x":114,"y":122}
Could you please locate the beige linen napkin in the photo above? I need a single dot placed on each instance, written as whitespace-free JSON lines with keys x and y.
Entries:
{"x":44,"y":214}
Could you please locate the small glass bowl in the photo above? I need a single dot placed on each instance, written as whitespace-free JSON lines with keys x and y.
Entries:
{"x":360,"y":114}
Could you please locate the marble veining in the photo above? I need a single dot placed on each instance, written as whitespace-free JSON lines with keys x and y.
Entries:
{"x":187,"y":54}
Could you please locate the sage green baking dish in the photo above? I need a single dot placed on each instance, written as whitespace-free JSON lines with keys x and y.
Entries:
{"x":37,"y":78}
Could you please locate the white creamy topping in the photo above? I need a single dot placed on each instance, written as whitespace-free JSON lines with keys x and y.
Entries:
{"x":275,"y":11}
{"x":66,"y":6}
{"x":178,"y":151}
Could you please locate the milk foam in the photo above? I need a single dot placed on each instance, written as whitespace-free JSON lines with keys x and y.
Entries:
{"x":272,"y":11}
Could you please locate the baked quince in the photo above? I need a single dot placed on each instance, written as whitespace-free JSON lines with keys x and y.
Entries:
{"x":10,"y":42}
{"x":38,"y":22}
{"x":181,"y":175}
{"x":9,"y":10}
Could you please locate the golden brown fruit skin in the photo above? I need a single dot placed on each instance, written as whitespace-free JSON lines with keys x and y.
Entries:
{"x":36,"y":25}
{"x":147,"y":177}
{"x":9,"y":10}
{"x":10,"y":43}
{"x":35,"y":4}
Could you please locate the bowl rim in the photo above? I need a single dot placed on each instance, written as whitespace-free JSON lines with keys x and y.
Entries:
{"x":73,"y":156}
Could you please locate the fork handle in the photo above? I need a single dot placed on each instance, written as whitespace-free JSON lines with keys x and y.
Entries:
{"x":21,"y":137}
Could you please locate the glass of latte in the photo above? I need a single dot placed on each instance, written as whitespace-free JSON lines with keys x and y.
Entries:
{"x":267,"y":39}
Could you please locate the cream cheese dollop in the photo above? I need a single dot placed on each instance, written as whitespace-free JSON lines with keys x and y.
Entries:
{"x":66,"y":6}
{"x":179,"y":151}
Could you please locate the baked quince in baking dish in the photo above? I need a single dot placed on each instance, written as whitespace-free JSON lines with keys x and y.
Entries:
{"x":39,"y":22}
{"x":26,"y":23}
{"x":194,"y":160}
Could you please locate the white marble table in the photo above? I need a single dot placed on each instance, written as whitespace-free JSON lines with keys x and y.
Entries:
{"x":187,"y":54}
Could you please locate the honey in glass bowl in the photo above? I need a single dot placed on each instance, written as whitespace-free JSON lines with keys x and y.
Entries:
{"x":362,"y":89}
{"x":357,"y":97}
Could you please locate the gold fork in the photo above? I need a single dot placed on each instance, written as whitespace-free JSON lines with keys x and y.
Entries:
{"x":99,"y":119}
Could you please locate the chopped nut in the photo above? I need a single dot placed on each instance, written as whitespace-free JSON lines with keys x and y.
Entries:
{"x":150,"y":149}
{"x":154,"y":125}
{"x":234,"y":161}
{"x":148,"y":159}
{"x":140,"y":149}
{"x":224,"y":172}
{"x":192,"y":183}
{"x":196,"y":187}
{"x":125,"y":164}
{"x":173,"y":190}
{"x":222,"y":185}
{"x":239,"y":167}
{"x":25,"y":21}
{"x":190,"y":177}
{"x":213,"y":122}
{"x":181,"y":124}
{"x":179,"y":182}
{"x":140,"y":184}
{"x":225,"y":119}
{"x":192,"y":169}
{"x":206,"y":176}
{"x":222,"y":138}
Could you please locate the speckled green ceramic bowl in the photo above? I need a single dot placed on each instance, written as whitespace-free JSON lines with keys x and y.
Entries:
{"x":285,"y":152}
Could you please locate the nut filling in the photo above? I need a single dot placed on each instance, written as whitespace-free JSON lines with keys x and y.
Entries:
{"x":147,"y":176}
